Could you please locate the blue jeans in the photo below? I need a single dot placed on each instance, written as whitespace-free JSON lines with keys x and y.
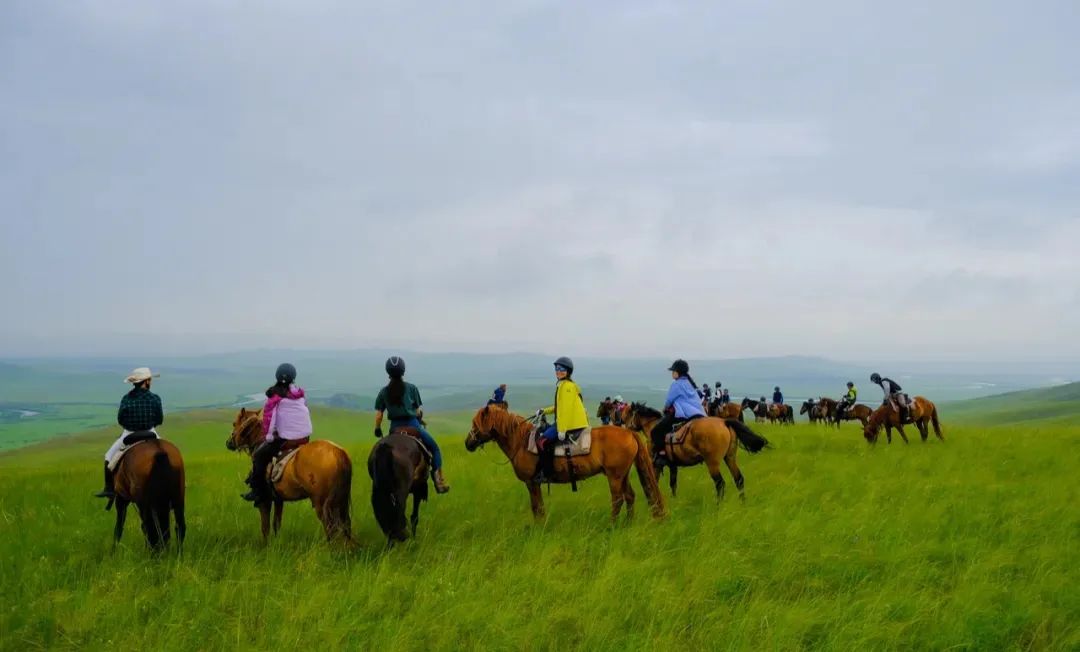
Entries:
{"x":425,"y":436}
{"x":551,"y":433}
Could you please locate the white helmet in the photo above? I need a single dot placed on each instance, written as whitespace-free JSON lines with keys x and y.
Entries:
{"x":618,"y":398}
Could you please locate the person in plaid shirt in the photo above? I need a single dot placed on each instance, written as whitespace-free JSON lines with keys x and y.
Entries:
{"x":140,"y":411}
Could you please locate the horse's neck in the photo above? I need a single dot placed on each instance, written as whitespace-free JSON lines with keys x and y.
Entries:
{"x":516,"y":431}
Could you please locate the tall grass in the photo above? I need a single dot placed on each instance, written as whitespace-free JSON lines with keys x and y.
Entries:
{"x":971,"y":544}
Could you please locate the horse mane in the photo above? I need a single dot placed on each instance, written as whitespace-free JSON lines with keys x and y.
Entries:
{"x":646,"y":411}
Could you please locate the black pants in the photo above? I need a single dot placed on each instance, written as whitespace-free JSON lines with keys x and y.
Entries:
{"x":662,"y":428}
{"x":262,"y":456}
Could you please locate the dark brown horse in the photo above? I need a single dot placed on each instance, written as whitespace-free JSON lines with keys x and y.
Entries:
{"x":398,"y":469}
{"x":922,"y":413}
{"x":709,"y":439}
{"x":614,"y":450}
{"x":785,"y":414}
{"x":827,"y":410}
{"x":810,"y":410}
{"x":151,"y":475}
{"x":759,"y":409}
{"x":320,"y":471}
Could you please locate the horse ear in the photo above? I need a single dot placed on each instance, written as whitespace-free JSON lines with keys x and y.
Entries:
{"x":243,"y":411}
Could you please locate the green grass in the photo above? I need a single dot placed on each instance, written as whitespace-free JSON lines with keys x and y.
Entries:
{"x":971,"y":544}
{"x":1056,"y":405}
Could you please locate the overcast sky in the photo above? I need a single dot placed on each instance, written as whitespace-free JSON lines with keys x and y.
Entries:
{"x":616,"y":178}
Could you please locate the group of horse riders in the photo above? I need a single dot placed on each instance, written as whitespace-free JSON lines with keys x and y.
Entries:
{"x":286,"y":419}
{"x":894,"y":397}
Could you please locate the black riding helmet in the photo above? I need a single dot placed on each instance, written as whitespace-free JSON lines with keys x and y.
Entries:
{"x":564,"y":361}
{"x":680,"y":367}
{"x":395,"y":367}
{"x":875,"y":377}
{"x":850,"y":384}
{"x":285,"y":374}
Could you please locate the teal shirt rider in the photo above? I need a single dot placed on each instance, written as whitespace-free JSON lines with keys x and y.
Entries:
{"x":410,"y":404}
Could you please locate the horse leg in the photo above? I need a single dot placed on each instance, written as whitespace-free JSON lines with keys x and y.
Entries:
{"x":415,"y":518}
{"x":924,"y":432}
{"x":615,"y":484}
{"x":121,"y":517}
{"x":736,"y":474}
{"x":674,"y":481}
{"x":536,"y":499}
{"x":713,"y":463}
{"x":628,"y":496}
{"x":900,"y":428}
{"x":181,"y":524}
{"x":888,"y":433}
{"x":264,"y":515}
{"x":279,"y":507}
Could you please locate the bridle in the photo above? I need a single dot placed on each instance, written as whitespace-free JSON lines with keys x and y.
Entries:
{"x":246,"y":442}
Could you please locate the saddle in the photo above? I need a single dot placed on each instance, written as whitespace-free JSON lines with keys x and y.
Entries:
{"x":678,"y":433}
{"x":281,"y":460}
{"x":575,"y":444}
{"x":131,"y":441}
{"x":410,"y":431}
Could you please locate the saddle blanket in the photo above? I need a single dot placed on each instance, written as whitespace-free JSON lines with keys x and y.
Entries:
{"x":579,"y":446}
{"x":277,"y":467}
{"x":119,"y":454}
{"x":678,"y":432}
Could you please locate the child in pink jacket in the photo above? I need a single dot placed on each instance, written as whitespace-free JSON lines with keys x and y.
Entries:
{"x":285,"y":418}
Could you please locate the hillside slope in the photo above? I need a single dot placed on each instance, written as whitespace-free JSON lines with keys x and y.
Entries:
{"x":1049,"y":404}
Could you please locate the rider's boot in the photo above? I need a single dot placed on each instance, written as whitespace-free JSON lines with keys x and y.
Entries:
{"x":108,"y":491}
{"x":440,"y":482}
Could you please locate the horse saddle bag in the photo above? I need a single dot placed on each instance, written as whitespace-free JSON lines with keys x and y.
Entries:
{"x":577,"y":443}
{"x":288,"y":449}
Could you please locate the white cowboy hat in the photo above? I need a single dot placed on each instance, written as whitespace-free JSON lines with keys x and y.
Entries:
{"x":138,"y":375}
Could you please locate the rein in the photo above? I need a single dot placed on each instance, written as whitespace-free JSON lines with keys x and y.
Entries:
{"x":252,"y":422}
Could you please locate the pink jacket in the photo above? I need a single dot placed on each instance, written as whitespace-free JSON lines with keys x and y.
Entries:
{"x":289,"y":416}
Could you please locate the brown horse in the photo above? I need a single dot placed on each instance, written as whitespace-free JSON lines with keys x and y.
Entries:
{"x":605,"y":411}
{"x":810,"y":410}
{"x":398,"y":468}
{"x":320,"y":471}
{"x":785,"y":414}
{"x":857,"y":412}
{"x":922,"y":413}
{"x":827,"y":410}
{"x":151,"y":475}
{"x":709,"y":440}
{"x":614,"y":450}
{"x":725,"y":411}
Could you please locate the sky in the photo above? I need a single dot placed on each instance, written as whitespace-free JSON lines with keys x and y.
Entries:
{"x":846,"y":179}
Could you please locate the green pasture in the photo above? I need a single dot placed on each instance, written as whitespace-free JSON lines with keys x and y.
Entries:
{"x":967,"y":545}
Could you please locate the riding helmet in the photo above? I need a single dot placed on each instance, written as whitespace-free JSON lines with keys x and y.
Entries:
{"x":565,"y":362}
{"x":776,"y":389}
{"x":395,"y":367}
{"x":718,"y":383}
{"x":680,"y":367}
{"x":850,"y":384}
{"x":285,"y":374}
{"x":875,"y":377}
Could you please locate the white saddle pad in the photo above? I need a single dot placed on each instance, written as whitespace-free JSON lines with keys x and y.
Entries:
{"x":580,"y":447}
{"x":119,"y":454}
{"x":277,"y":467}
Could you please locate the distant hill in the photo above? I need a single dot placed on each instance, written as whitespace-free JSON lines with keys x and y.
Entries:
{"x":1049,"y":404}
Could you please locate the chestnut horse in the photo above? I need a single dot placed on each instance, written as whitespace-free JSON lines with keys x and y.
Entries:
{"x":727,"y":410}
{"x":709,"y":440}
{"x":151,"y":475}
{"x":398,"y":469}
{"x":614,"y":450}
{"x":921,"y":412}
{"x":320,"y":471}
{"x":785,"y":414}
{"x":857,"y":412}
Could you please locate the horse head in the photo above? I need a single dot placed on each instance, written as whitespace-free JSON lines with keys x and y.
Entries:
{"x":485,"y":427}
{"x":246,"y":430}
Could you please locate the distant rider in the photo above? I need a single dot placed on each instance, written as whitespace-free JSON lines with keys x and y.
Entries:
{"x":498,"y":396}
{"x":285,"y":418}
{"x":140,"y":411}
{"x":401,"y":402}
{"x":777,"y":397}
{"x":847,"y":401}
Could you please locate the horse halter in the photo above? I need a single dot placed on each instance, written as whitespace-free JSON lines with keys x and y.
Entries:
{"x":240,"y":437}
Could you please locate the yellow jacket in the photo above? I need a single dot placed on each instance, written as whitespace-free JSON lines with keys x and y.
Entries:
{"x":569,"y":408}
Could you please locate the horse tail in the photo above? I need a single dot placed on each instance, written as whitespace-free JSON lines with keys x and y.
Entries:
{"x":750,"y":441}
{"x":339,"y":499}
{"x":158,"y":500}
{"x":934,"y":420}
{"x":647,"y":477}
{"x":384,"y":501}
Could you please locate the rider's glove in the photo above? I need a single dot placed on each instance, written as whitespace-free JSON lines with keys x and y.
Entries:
{"x":562,"y":436}
{"x":539,"y":413}
{"x":378,"y":431}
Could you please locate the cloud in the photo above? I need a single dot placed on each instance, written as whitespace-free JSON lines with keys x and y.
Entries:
{"x":618,"y":178}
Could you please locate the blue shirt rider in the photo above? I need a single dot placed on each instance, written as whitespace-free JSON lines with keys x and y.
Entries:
{"x":498,"y":396}
{"x":777,"y":397}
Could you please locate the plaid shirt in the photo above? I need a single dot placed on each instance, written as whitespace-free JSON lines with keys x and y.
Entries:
{"x":140,"y":409}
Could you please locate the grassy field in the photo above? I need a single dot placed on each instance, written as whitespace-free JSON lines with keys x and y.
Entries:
{"x":971,"y":544}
